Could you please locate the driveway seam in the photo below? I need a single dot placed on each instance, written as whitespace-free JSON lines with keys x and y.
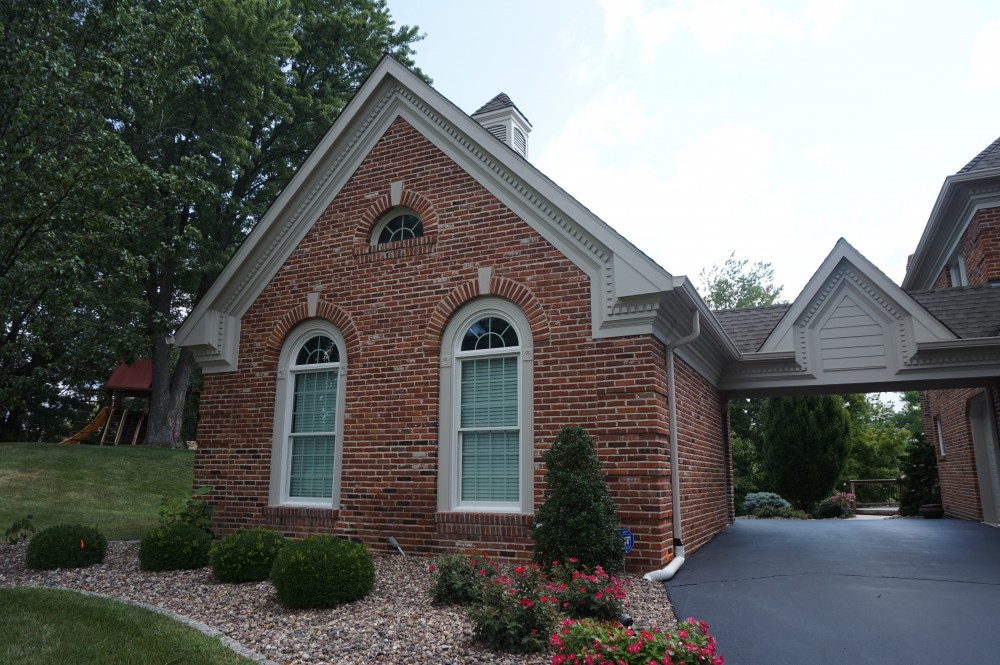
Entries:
{"x":871,"y":577}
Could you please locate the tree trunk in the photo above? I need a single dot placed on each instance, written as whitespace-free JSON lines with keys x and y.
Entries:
{"x":166,"y":406}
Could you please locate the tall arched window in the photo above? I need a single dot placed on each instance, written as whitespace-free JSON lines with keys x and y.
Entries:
{"x":309,"y":418}
{"x":486,"y":388}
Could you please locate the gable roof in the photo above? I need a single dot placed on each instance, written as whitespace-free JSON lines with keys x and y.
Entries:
{"x":989,"y":158}
{"x":631,"y":294}
{"x":851,"y":328}
{"x":975,"y":187}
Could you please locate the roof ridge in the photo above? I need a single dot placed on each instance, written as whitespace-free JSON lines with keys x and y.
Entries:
{"x":990,"y":155}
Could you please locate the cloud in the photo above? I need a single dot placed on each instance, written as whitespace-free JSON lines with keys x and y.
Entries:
{"x":715,"y":24}
{"x":985,"y":58}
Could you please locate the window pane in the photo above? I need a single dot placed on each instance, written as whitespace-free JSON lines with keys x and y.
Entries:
{"x":489,"y":333}
{"x":490,"y":466}
{"x":315,"y":405}
{"x":489,"y":392}
{"x":318,"y":350}
{"x":312,"y":467}
{"x":402,"y":227}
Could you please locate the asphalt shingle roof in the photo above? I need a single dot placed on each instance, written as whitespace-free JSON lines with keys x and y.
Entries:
{"x":748,"y":328}
{"x":971,"y":311}
{"x":987,"y":159}
{"x":501,"y":101}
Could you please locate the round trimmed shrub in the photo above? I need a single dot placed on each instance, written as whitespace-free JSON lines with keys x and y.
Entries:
{"x":174,"y":547}
{"x":755,"y":501}
{"x":827,"y":509}
{"x":66,"y":546}
{"x":322,"y":571}
{"x":247,"y":555}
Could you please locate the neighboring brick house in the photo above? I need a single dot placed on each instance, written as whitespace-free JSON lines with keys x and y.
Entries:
{"x":955,"y":272}
{"x":406,"y":330}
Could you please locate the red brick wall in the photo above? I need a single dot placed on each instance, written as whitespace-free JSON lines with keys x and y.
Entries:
{"x":392,"y":307}
{"x":980,"y":248}
{"x":957,"y":468}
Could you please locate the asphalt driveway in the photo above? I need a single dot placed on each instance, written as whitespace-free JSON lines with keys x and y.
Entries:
{"x":820,"y":592}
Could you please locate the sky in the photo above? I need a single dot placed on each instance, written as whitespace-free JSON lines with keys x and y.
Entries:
{"x":766,"y":128}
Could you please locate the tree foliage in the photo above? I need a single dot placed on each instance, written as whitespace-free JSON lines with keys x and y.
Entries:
{"x":877,"y":444}
{"x":142,"y":141}
{"x":806,"y":444}
{"x":920,"y":476}
{"x":738,"y":284}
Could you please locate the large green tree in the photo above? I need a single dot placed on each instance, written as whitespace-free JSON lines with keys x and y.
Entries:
{"x":877,"y":444}
{"x":68,"y":298}
{"x":738,"y":284}
{"x":198,"y":111}
{"x":806,"y":444}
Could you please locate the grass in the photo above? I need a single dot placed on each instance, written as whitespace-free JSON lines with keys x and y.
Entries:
{"x":54,"y":627}
{"x":117,"y":489}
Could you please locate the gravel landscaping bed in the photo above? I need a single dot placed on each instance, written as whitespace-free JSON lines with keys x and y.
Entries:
{"x":396,"y":623}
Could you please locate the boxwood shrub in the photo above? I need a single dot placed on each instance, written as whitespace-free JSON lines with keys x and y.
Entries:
{"x":247,"y":555}
{"x":175,"y":547}
{"x":322,"y":571}
{"x":66,"y":546}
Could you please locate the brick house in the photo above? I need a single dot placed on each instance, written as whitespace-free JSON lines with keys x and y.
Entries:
{"x":956,"y":271}
{"x":406,"y":330}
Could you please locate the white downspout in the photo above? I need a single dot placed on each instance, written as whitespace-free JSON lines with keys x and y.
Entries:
{"x":677,"y":561}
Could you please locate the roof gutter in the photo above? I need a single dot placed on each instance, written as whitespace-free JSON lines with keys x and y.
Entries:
{"x":671,"y":569}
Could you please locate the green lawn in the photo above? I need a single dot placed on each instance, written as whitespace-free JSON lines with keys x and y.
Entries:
{"x":117,"y":489}
{"x":55,"y":627}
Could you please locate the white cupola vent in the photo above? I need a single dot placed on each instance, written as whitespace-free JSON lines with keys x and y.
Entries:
{"x":504,"y":120}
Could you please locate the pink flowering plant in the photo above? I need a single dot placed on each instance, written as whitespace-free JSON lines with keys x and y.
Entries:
{"x":512,"y":614}
{"x":458,"y":577}
{"x":589,"y":642}
{"x":847,"y":501}
{"x":581,"y":593}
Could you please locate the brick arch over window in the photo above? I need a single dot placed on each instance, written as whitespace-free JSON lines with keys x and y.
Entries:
{"x":292,"y":318}
{"x":500,"y":287}
{"x":383,"y":204}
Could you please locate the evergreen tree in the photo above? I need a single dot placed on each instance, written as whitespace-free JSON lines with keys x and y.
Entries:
{"x":805,"y":446}
{"x":578,"y":518}
{"x":920,"y":477}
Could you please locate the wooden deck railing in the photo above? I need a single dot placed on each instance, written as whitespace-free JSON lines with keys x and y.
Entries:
{"x":876,"y":493}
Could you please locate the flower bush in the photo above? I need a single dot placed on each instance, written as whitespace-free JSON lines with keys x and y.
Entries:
{"x":585,"y":594}
{"x":588,"y":642}
{"x":848,"y":502}
{"x":458,"y":577}
{"x":512,"y":614}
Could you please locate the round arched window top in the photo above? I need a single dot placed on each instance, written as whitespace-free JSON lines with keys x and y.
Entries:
{"x":490,"y":332}
{"x":403,"y":226}
{"x":318,"y":350}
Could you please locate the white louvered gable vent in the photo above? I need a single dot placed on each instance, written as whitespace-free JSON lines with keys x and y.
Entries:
{"x":504,"y":120}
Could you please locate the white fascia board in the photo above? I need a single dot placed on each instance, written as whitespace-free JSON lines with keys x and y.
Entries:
{"x":955,"y":207}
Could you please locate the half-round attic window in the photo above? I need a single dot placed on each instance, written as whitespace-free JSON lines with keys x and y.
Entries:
{"x":399,"y":226}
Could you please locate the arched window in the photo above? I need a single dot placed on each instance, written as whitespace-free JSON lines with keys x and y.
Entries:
{"x":486,"y":410}
{"x":309,"y":418}
{"x":398,"y":225}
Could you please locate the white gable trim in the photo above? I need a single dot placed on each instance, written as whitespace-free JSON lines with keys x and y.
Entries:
{"x":627,"y":287}
{"x":962,"y":196}
{"x":852,"y":326}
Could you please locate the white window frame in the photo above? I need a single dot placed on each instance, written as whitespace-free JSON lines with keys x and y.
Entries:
{"x":388,"y":217}
{"x":956,"y":270}
{"x":939,"y":430}
{"x":284,"y":397}
{"x":449,"y":463}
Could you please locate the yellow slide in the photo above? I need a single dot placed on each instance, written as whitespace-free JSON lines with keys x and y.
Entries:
{"x":94,"y":425}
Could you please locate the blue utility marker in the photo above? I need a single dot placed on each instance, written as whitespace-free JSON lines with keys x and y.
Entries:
{"x":628,"y":538}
